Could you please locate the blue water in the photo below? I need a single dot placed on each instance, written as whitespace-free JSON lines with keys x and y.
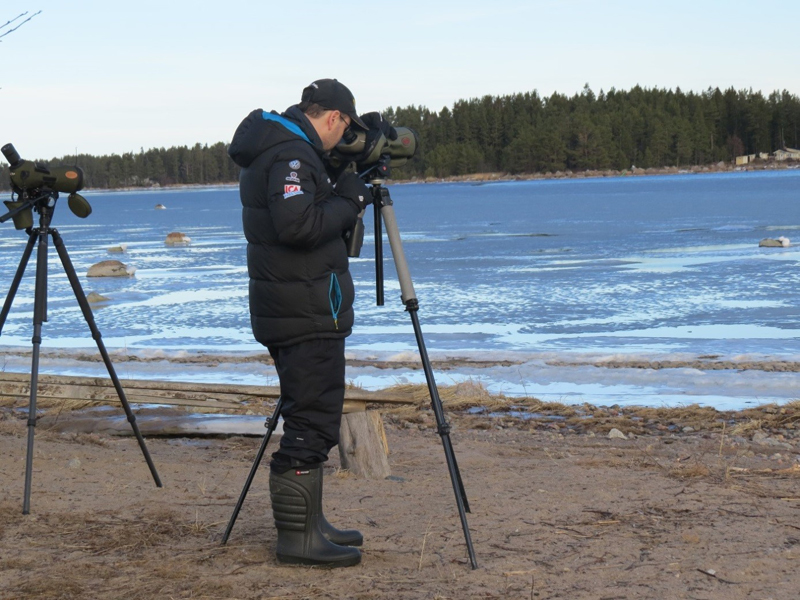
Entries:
{"x":535,"y":271}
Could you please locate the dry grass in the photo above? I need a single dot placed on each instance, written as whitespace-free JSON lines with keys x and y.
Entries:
{"x":100,"y":534}
{"x":340,"y":473}
{"x":691,"y":471}
{"x":475,"y":407}
{"x":60,"y":585}
{"x":43,"y":402}
{"x":471,"y":395}
{"x":109,"y":549}
{"x":747,"y":427}
{"x":488,"y":410}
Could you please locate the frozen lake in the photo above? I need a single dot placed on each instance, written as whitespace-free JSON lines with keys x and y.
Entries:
{"x":537,"y":273}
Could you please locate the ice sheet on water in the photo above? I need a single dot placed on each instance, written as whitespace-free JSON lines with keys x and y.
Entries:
{"x":564,"y":377}
{"x":656,"y":265}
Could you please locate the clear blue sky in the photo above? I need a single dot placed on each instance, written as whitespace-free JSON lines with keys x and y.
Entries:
{"x":113,"y":77}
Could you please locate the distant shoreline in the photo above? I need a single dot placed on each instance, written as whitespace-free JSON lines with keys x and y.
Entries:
{"x":602,"y":173}
{"x":503,"y":176}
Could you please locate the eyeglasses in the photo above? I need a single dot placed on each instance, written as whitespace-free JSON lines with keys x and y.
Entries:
{"x":346,"y":123}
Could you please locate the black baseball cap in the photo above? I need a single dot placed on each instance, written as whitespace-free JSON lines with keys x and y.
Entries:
{"x":331,"y":94}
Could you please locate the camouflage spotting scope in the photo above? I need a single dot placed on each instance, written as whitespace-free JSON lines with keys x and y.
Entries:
{"x":28,"y":175}
{"x":33,"y":182}
{"x":376,"y":153}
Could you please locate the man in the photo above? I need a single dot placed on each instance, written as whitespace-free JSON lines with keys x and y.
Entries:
{"x":301,"y":298}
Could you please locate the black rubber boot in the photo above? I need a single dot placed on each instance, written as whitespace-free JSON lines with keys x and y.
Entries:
{"x":342,"y":537}
{"x":296,"y":501}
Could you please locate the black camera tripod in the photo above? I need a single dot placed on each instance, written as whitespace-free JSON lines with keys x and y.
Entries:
{"x":383,"y":208}
{"x":44,"y":203}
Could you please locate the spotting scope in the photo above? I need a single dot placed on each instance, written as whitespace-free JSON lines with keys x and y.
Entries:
{"x":34,"y":184}
{"x":28,"y":175}
{"x":399,"y":150}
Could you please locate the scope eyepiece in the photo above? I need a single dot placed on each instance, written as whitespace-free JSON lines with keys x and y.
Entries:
{"x":349,"y":136}
{"x":11,"y":154}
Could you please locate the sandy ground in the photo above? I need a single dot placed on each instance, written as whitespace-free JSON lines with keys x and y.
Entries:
{"x":556,"y":512}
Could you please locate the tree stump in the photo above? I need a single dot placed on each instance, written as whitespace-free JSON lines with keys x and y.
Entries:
{"x":363,"y":448}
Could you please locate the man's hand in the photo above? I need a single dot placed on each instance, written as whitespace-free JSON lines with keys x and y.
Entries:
{"x":379,"y":128}
{"x":374,"y":121}
{"x":352,"y":187}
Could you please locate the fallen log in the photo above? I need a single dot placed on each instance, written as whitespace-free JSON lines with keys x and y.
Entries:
{"x":59,"y":389}
{"x":158,"y":425}
{"x":362,"y":448}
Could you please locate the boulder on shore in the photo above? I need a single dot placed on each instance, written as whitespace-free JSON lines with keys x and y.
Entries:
{"x":176,"y":238}
{"x":110,"y":268}
{"x":781,"y":242}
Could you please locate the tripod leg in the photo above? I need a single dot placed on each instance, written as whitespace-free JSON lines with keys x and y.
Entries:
{"x":12,"y":291}
{"x":98,"y":338}
{"x":39,"y":316}
{"x":436,"y":403}
{"x":444,"y":432}
{"x":271,"y":424}
{"x":378,"y":233}
{"x":410,"y":301}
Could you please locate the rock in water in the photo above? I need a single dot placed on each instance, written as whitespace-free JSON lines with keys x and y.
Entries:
{"x":177,"y":238}
{"x":110,"y":268}
{"x":160,"y":207}
{"x":120,"y":248}
{"x":781,"y":242}
{"x":94,"y":298}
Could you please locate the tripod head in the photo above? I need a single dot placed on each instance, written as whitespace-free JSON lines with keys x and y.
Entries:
{"x":377,"y":155}
{"x":379,"y":172}
{"x":36,"y":187}
{"x":375,"y":175}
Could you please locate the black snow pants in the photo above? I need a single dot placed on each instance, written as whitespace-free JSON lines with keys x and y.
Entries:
{"x":311,"y":376}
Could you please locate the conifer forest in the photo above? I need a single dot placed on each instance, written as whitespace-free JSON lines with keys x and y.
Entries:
{"x":523,"y":133}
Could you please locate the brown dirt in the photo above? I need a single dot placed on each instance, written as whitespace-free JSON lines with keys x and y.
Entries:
{"x":559,"y":510}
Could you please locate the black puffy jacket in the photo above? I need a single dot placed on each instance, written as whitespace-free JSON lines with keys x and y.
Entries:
{"x":300,"y":285}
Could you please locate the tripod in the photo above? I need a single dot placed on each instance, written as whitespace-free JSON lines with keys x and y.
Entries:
{"x":45,"y":204}
{"x":384,"y":209}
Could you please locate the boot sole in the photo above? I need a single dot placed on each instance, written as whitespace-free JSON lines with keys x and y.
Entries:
{"x":299,"y":560}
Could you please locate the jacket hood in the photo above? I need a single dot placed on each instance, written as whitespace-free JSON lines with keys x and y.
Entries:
{"x":261,"y":130}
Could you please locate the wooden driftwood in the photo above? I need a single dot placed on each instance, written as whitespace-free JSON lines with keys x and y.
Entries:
{"x":213,"y":397}
{"x":363,"y":448}
{"x":180,"y":424}
{"x":58,"y":390}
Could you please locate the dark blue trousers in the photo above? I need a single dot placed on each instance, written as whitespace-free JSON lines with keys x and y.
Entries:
{"x":312,"y":388}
